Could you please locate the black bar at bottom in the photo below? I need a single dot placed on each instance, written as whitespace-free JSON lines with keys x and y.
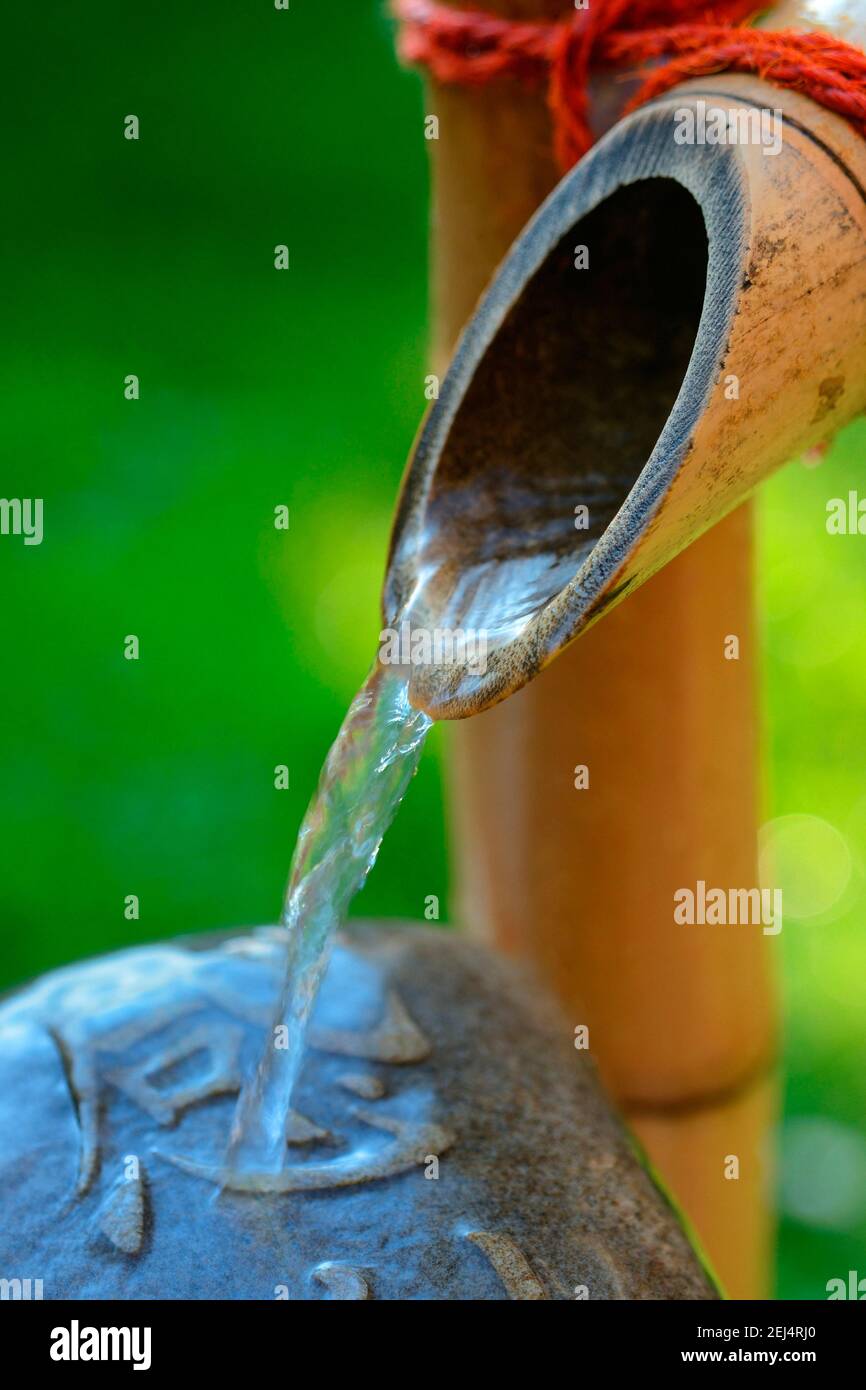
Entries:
{"x":262,"y":1339}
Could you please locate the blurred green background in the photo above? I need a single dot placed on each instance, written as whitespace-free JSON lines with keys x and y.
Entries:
{"x":304,"y":388}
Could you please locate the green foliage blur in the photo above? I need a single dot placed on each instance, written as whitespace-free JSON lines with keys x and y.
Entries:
{"x":304,"y":388}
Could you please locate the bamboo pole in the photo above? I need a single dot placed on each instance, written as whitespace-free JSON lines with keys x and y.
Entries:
{"x":579,"y":881}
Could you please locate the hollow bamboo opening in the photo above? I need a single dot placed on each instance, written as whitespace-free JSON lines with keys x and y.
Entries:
{"x":566,"y":406}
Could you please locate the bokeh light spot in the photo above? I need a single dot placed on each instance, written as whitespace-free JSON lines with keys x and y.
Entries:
{"x":823,"y":1174}
{"x":809,"y":860}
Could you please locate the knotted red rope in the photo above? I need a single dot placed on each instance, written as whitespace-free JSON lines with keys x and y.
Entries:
{"x":700,"y":37}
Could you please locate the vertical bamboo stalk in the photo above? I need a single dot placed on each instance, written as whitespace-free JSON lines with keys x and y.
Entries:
{"x":581,"y":882}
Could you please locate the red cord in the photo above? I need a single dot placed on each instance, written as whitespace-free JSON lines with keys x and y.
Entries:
{"x":699,"y":36}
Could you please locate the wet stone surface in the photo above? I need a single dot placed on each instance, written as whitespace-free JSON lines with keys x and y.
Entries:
{"x":118,"y":1080}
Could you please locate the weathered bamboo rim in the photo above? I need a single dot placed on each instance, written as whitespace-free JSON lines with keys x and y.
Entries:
{"x":719,"y":330}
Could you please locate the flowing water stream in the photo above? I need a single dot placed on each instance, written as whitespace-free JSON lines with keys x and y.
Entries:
{"x":362,"y":783}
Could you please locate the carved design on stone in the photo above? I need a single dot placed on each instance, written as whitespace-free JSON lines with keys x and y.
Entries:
{"x":78,"y":1045}
{"x":300,"y":1130}
{"x":518,"y":1277}
{"x":396,"y":1039}
{"x":80,"y":1073}
{"x":342,"y":1281}
{"x":164,"y":1105}
{"x":412,"y":1145}
{"x":364,"y":1085}
{"x":123,"y":1214}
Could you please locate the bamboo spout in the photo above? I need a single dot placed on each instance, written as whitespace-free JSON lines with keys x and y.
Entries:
{"x":713,"y":328}
{"x":682,"y":1024}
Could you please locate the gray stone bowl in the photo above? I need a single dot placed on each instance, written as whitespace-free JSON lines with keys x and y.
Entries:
{"x":448,"y":1140}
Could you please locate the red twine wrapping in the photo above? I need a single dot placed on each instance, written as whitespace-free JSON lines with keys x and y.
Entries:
{"x":699,"y":37}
